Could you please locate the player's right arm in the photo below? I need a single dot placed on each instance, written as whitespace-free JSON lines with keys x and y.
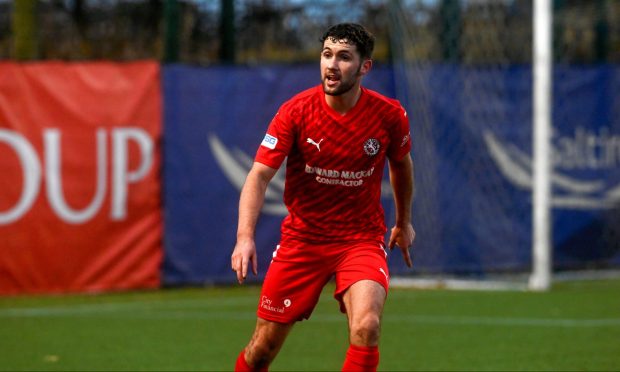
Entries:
{"x":250,"y":204}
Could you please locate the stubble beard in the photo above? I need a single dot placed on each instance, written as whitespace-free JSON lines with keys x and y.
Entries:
{"x":345,"y":85}
{"x":343,"y":88}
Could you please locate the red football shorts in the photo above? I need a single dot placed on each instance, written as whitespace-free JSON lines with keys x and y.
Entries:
{"x":299,"y":271}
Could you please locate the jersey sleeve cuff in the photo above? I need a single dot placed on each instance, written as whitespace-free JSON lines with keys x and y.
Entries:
{"x":268,"y":162}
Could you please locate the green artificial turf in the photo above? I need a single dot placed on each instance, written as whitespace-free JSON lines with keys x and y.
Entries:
{"x":574,"y":327}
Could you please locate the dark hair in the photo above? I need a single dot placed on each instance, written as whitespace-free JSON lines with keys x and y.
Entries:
{"x":352,"y":33}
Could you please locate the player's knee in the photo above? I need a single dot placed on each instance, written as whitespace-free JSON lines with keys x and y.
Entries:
{"x":366,"y":330}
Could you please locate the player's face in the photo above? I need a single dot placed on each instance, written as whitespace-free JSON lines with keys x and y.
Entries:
{"x":341,"y":67}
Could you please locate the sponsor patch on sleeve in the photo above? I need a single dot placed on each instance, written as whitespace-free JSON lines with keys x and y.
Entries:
{"x":405,"y":140}
{"x":269,"y":141}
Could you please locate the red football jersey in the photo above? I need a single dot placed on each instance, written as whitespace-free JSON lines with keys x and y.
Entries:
{"x":335,"y":164}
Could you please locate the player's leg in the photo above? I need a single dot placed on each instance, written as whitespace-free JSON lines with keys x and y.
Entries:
{"x":264,"y":345}
{"x":290,"y":291}
{"x":361,"y":288}
{"x":364,"y":302}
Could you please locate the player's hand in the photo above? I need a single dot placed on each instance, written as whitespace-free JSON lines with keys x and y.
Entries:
{"x":244,"y":255}
{"x":403,"y":237}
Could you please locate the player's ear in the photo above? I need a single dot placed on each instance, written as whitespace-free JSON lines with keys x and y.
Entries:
{"x":366,"y":66}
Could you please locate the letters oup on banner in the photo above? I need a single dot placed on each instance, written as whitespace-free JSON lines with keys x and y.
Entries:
{"x":121,"y":174}
{"x":80,"y":191}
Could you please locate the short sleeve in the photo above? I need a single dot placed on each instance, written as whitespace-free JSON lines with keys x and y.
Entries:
{"x":400,"y":136}
{"x":277,"y":142}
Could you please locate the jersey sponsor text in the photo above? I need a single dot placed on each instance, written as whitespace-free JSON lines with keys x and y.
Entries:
{"x":338,"y":177}
{"x":269,"y":141}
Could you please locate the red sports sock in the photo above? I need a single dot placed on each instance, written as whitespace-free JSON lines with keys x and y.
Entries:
{"x":361,"y":358}
{"x":242,"y":366}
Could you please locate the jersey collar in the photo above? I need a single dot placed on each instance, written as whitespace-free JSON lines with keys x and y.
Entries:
{"x":351,"y":114}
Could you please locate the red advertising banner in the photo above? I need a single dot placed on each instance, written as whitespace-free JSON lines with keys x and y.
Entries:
{"x":80,"y":206}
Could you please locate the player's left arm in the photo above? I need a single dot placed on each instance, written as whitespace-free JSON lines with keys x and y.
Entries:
{"x":403,"y":185}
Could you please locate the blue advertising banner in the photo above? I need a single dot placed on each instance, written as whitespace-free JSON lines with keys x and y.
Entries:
{"x":586,"y":177}
{"x":471,"y":131}
{"x":215,"y":120}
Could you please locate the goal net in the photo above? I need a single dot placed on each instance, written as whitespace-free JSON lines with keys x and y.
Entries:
{"x":463,"y":69}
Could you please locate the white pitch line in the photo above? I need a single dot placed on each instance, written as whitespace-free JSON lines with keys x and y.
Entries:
{"x":142,"y":305}
{"x":211,"y":309}
{"x":502,"y":321}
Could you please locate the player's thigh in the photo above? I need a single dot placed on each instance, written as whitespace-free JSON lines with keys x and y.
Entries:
{"x":292,"y":286}
{"x":366,"y":264}
{"x":364,"y":301}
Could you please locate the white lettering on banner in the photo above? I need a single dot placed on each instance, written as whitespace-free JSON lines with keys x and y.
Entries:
{"x":587,"y":150}
{"x":122,"y":176}
{"x":32,"y":175}
{"x":54,"y":178}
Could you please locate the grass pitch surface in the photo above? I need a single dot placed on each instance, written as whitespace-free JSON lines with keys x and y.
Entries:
{"x":574,"y":327}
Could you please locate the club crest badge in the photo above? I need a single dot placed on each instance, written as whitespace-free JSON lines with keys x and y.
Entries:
{"x":371,"y":147}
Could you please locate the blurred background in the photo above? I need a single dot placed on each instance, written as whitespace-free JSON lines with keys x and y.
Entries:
{"x":285,"y":31}
{"x":176,"y":96}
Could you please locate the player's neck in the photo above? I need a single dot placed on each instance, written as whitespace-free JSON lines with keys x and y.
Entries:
{"x":344,"y":102}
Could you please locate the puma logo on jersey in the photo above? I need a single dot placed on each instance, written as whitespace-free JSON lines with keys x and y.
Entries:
{"x":318,"y":145}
